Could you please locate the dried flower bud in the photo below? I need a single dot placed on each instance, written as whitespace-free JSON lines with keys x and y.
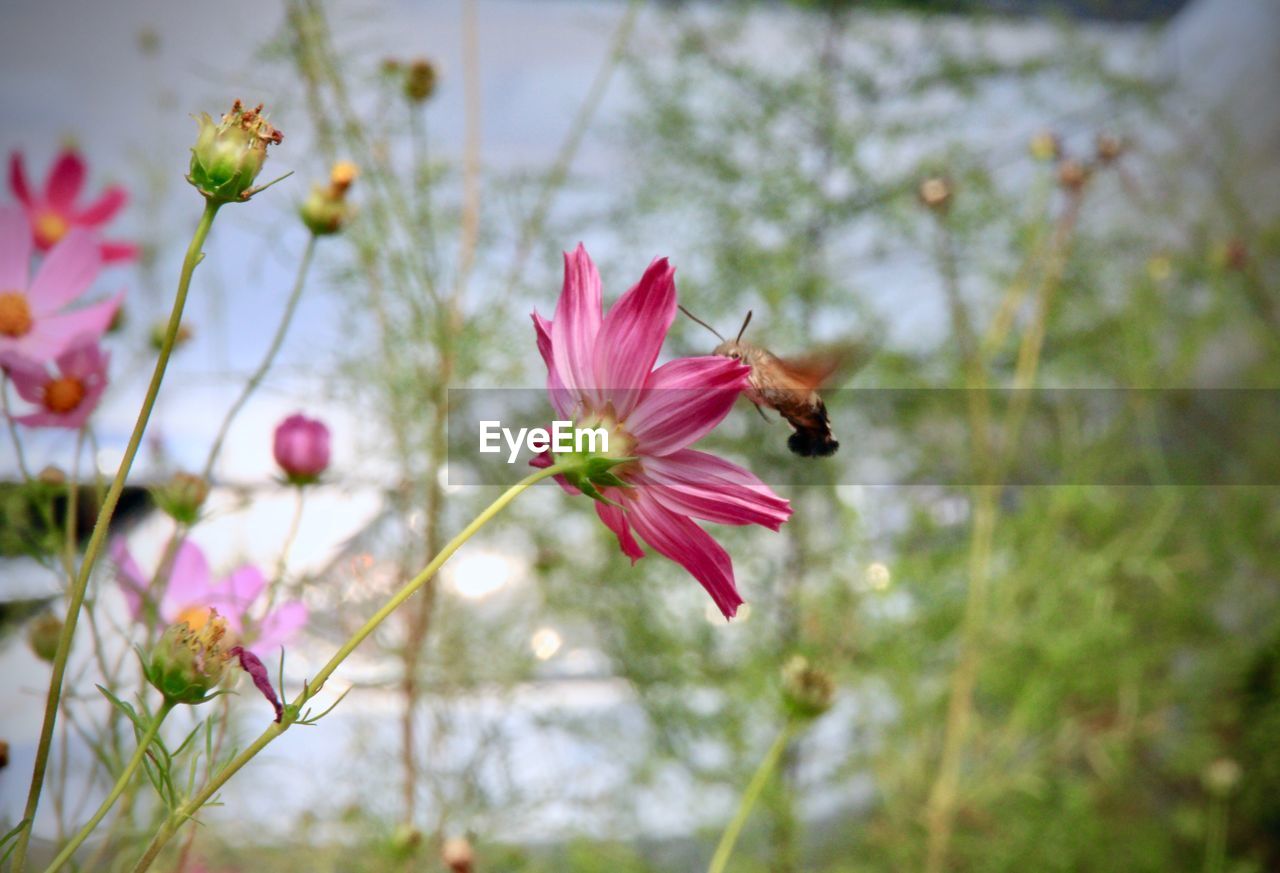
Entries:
{"x":1072,"y":174}
{"x":390,"y":66}
{"x":1221,"y":777}
{"x":228,"y":155}
{"x":191,"y":658}
{"x":327,"y":209}
{"x":43,"y":635}
{"x":181,"y":497}
{"x":1108,"y":147}
{"x":458,"y":855}
{"x":806,"y":690}
{"x":935,"y":193}
{"x":184,"y":335}
{"x":4,"y":754}
{"x":52,"y":475}
{"x":420,"y":80}
{"x":1045,"y":146}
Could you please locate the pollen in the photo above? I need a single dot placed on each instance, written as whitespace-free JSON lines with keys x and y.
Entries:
{"x":194,"y":617}
{"x":15,"y":314}
{"x":50,"y":227}
{"x":63,"y":394}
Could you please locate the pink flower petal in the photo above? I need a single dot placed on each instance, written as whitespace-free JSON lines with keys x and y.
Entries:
{"x":576,"y":324}
{"x":18,"y":179}
{"x":72,"y":420}
{"x":188,"y":583}
{"x":561,"y":398}
{"x":116,"y":252}
{"x":133,"y":585}
{"x":66,"y":178}
{"x":700,"y":485}
{"x":234,"y":595}
{"x":616,"y":520}
{"x":681,"y":540}
{"x":67,"y":272}
{"x":28,"y":375}
{"x":103,"y":209}
{"x":631,"y":336}
{"x":278,"y":627}
{"x":83,"y":358}
{"x":683,"y":401}
{"x":15,"y":249}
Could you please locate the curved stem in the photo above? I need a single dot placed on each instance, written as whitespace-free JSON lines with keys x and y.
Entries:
{"x":275,"y":729}
{"x":274,"y":349}
{"x":76,"y":595}
{"x":116,"y":790}
{"x":761,"y":778}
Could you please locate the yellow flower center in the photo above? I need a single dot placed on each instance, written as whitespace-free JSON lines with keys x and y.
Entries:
{"x":15,"y":314}
{"x":63,"y":394}
{"x":50,"y":227}
{"x":195,"y":617}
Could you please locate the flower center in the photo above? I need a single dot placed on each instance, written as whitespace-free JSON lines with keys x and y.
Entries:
{"x":195,"y":617}
{"x":63,"y":394}
{"x":50,"y":227}
{"x":15,"y":314}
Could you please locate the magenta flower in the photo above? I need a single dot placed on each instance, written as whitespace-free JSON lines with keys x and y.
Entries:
{"x":66,"y":398}
{"x":191,"y":588}
{"x":301,"y":448}
{"x":35,"y":318}
{"x":600,"y":374}
{"x":53,"y":213}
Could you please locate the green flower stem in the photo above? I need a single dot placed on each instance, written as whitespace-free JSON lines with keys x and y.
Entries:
{"x":274,"y":349}
{"x":126,"y":776}
{"x":99,"y":535}
{"x":761,"y":778}
{"x":275,"y":729}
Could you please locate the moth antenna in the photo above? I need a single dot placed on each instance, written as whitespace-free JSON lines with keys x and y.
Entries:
{"x":743,"y":330}
{"x":680,"y":306}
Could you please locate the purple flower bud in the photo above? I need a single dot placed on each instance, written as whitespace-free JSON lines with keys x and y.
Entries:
{"x":252,"y":664}
{"x":301,"y":448}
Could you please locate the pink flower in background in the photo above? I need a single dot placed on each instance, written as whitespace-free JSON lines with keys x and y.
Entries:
{"x":35,"y":318}
{"x":600,"y":374}
{"x":52,"y":212}
{"x":301,"y":448}
{"x":66,"y":397}
{"x":192,"y":587}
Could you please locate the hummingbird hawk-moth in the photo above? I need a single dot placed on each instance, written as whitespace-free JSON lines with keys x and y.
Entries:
{"x":787,"y":385}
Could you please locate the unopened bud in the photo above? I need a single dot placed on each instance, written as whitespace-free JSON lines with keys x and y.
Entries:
{"x":52,"y":475}
{"x":1072,"y":175}
{"x":181,"y":497}
{"x":1045,"y":146}
{"x":420,"y":80}
{"x":229,"y":154}
{"x":1108,"y":147}
{"x":160,"y":328}
{"x":326,"y":211}
{"x":458,"y":855}
{"x":4,"y":754}
{"x":806,"y":690}
{"x":935,"y":193}
{"x":1221,"y":777}
{"x":191,"y":657}
{"x":405,"y":841}
{"x":1231,"y":255}
{"x":43,"y":636}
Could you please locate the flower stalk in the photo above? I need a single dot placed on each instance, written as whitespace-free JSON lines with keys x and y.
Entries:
{"x":79,"y":586}
{"x":724,"y":849}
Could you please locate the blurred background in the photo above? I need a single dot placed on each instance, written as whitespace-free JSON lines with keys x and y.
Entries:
{"x":981,"y":194}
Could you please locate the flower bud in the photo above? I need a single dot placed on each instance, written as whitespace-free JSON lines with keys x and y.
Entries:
{"x":420,"y":80}
{"x":52,"y":475}
{"x":43,"y":635}
{"x":181,"y":497}
{"x":405,"y":841}
{"x":806,"y":690}
{"x":1045,"y":146}
{"x":301,"y":448}
{"x":181,"y":338}
{"x":935,"y":193}
{"x":4,"y":754}
{"x":228,"y":155}
{"x":1232,"y":255}
{"x":1108,"y":148}
{"x":458,"y":855}
{"x":1072,"y":174}
{"x":190,"y":659}
{"x":1221,"y":777}
{"x":327,"y":209}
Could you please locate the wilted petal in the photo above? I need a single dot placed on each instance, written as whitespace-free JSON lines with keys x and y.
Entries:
{"x":66,"y":273}
{"x":683,"y":401}
{"x":15,"y":250}
{"x":66,"y":178}
{"x":616,"y":520}
{"x":631,"y":336}
{"x":695,"y":483}
{"x":251,"y":664}
{"x":680,"y":539}
{"x":577,"y":323}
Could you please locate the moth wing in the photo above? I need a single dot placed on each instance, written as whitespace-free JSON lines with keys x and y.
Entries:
{"x":823,"y":367}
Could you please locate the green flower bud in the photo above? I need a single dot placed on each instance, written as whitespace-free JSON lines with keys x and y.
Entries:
{"x":190,"y":659}
{"x":43,"y":635}
{"x":806,"y":690}
{"x":420,"y":80}
{"x":327,"y":209}
{"x":158,"y":330}
{"x":181,"y":497}
{"x":228,"y":155}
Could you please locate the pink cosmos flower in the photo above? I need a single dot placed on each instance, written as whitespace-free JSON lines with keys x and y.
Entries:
{"x":52,"y":213}
{"x":66,"y":398}
{"x":192,"y":587}
{"x":600,"y":374}
{"x":301,"y":448}
{"x":35,"y":318}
